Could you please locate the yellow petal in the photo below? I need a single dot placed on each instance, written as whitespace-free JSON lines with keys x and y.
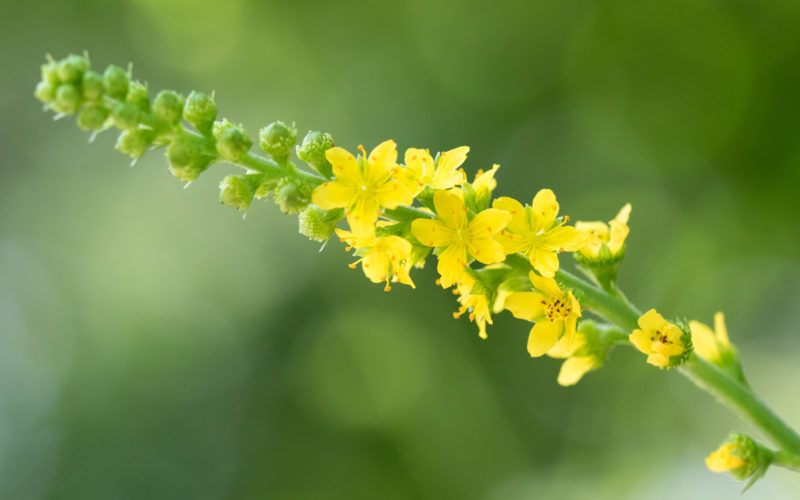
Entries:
{"x":642,"y":340}
{"x":445,"y":179}
{"x":624,"y":214}
{"x":548,"y":286}
{"x":383,"y":156}
{"x":487,"y":250}
{"x":392,"y":193}
{"x":723,"y":459}
{"x":564,"y":239}
{"x":526,"y":305}
{"x":619,"y":231}
{"x":651,"y":320}
{"x":658,"y":360}
{"x":451,"y":160}
{"x":345,"y":166}
{"x":705,"y":345}
{"x":450,"y":209}
{"x":543,"y":336}
{"x":544,"y":209}
{"x":573,"y":369}
{"x":721,"y":330}
{"x":362,"y":217}
{"x":432,"y":233}
{"x":485,"y":181}
{"x":452,"y":262}
{"x":488,"y":222}
{"x":545,"y":261}
{"x":376,"y":266}
{"x":420,"y":163}
{"x":333,"y":194}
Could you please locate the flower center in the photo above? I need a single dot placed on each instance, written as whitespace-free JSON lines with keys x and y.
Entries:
{"x":557,"y":309}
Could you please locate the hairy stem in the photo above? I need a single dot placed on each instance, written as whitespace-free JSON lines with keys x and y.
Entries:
{"x":730,"y":392}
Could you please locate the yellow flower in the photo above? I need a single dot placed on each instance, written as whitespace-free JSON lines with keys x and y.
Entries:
{"x":363,"y":186}
{"x":484,"y":182}
{"x":575,"y":366}
{"x":658,"y":338}
{"x":459,"y":238}
{"x":598,"y":234}
{"x":710,"y":344}
{"x":555,"y":312}
{"x":534,"y":231}
{"x":384,"y":258}
{"x":476,"y":304}
{"x":723,"y":459}
{"x":441,"y":173}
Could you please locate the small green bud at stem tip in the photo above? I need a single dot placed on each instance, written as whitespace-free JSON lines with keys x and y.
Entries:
{"x":67,"y":99}
{"x":71,"y":68}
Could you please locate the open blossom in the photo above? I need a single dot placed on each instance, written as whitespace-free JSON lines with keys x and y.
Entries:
{"x":475,"y":305}
{"x":599,"y":234}
{"x":363,"y":186}
{"x":555,"y":312}
{"x":459,"y":238}
{"x":383,"y":258}
{"x":658,"y":338}
{"x":534,"y":231}
{"x":439,"y":173}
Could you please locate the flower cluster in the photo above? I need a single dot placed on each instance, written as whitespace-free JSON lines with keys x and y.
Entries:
{"x":497,"y":254}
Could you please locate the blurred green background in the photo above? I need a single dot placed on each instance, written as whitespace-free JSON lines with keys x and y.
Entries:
{"x":154,"y":345}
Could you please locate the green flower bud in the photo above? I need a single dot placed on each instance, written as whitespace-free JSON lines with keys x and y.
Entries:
{"x":92,"y":86}
{"x":71,"y":68}
{"x":67,"y":100}
{"x":45,"y":91}
{"x":292,"y":196}
{"x":312,"y":151}
{"x":126,"y":115}
{"x":188,"y":157}
{"x":277,"y":139}
{"x":318,"y":224}
{"x":233,"y":143}
{"x":93,"y":118}
{"x":138,"y":96}
{"x":168,"y":106}
{"x":741,"y":457}
{"x":50,"y":72}
{"x":116,"y":80}
{"x":238,"y":191}
{"x":201,"y":111}
{"x":135,"y":142}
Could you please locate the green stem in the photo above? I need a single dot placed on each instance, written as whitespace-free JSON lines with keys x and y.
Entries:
{"x":730,"y":392}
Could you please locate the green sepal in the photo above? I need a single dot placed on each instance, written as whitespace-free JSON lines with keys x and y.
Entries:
{"x":318,"y":224}
{"x":602,"y":269}
{"x":168,"y":107}
{"x":292,"y":195}
{"x":188,"y":156}
{"x":72,"y":68}
{"x":139,"y":96}
{"x":45,"y":91}
{"x":312,"y":151}
{"x":200,"y":110}
{"x":686,"y":340}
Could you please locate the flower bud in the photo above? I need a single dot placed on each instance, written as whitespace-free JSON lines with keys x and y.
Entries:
{"x":318,"y":224}
{"x":233,"y":143}
{"x":741,"y":457}
{"x":71,"y":68}
{"x":126,"y":115}
{"x":135,"y":142}
{"x":50,"y":72}
{"x":292,"y":196}
{"x":92,"y":86}
{"x":67,"y":99}
{"x":312,"y":151}
{"x":237,"y":191}
{"x":116,"y":80}
{"x":138,"y":96}
{"x":200,"y":110}
{"x":277,"y":139}
{"x":45,"y":91}
{"x":188,"y":157}
{"x":93,"y":118}
{"x":168,"y":106}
